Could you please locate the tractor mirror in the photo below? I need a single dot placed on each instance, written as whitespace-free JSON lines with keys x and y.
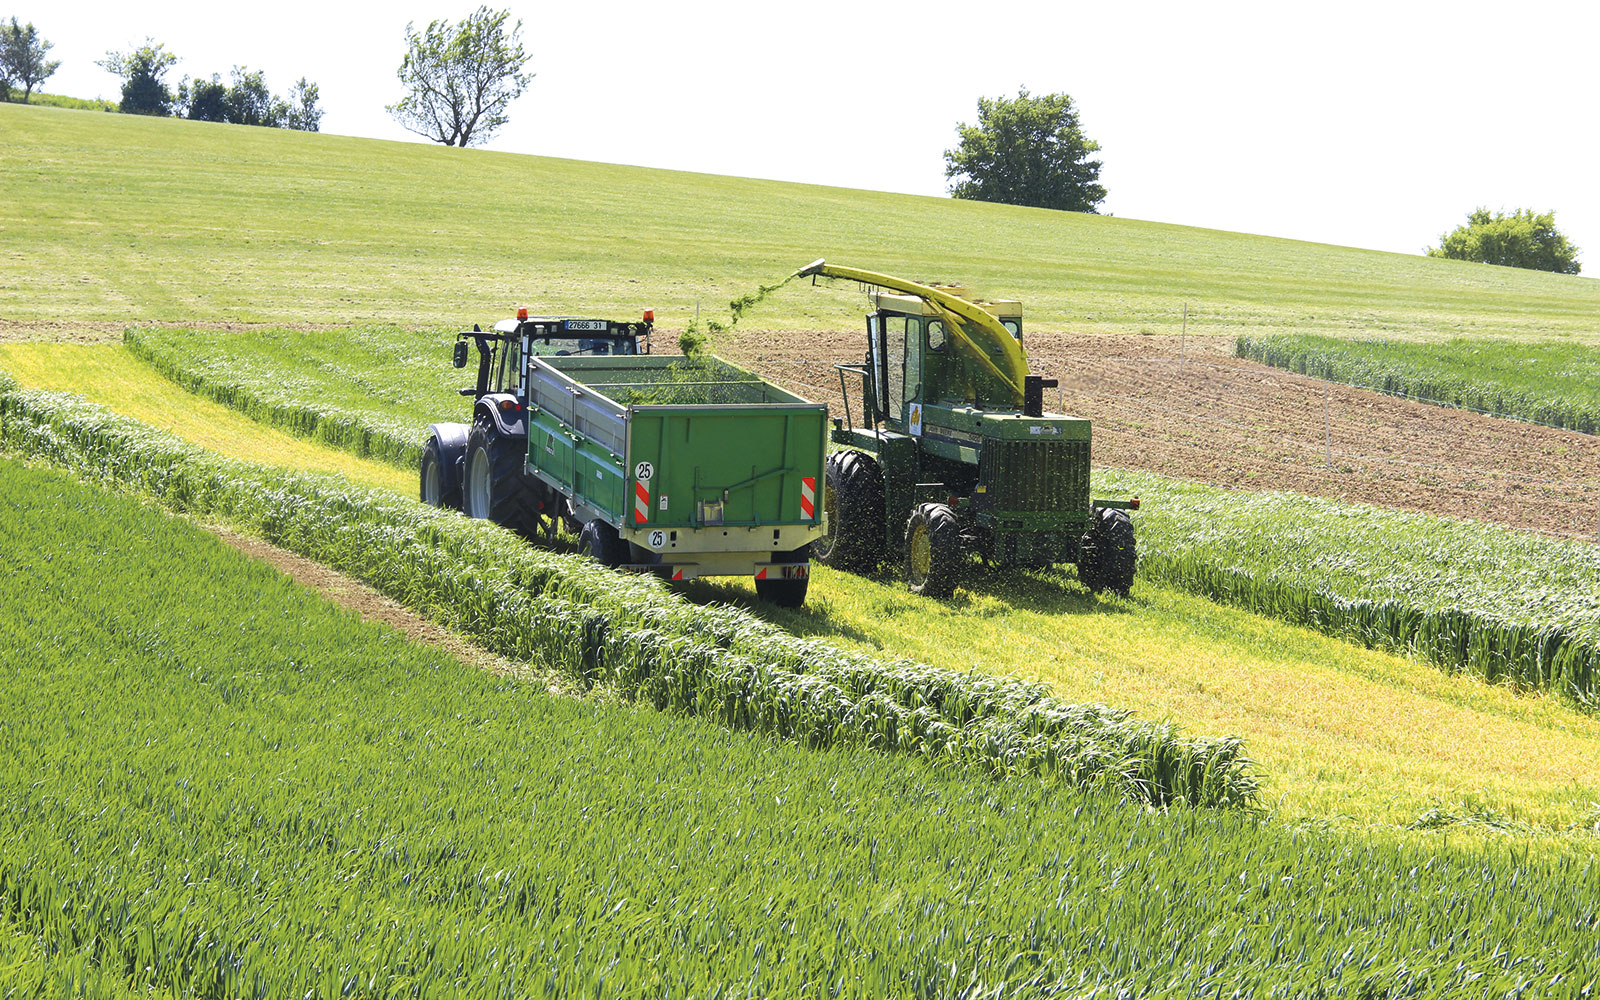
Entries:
{"x":460,"y":358}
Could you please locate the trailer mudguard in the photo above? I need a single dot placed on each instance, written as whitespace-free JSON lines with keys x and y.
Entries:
{"x":452,"y":440}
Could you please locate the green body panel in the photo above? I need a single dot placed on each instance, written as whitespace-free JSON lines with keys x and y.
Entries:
{"x":729,"y":465}
{"x":719,"y":447}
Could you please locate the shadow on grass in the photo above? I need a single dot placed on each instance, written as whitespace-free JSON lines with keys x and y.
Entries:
{"x":814,"y":618}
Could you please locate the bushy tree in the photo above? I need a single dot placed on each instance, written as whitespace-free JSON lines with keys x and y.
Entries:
{"x":1522,"y":239}
{"x":144,"y":78}
{"x":460,"y":79}
{"x":22,"y":59}
{"x":1026,"y":151}
{"x":248,"y":101}
{"x":202,"y":100}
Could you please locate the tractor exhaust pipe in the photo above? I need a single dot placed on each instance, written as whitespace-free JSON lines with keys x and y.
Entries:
{"x":1033,"y":387}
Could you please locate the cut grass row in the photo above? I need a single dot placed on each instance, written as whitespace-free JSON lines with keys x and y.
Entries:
{"x":201,"y":801}
{"x":633,"y":633}
{"x":1556,"y":383}
{"x":1359,"y":737}
{"x":1503,"y":605}
{"x":123,"y":217}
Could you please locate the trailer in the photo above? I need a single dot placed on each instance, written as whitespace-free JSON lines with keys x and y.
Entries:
{"x":684,"y":467}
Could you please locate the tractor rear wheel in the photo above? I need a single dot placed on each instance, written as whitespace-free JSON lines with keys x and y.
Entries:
{"x":852,"y":502}
{"x":431,"y":489}
{"x":1107,"y":554}
{"x":495,"y":488}
{"x":601,"y":541}
{"x":933,"y":550}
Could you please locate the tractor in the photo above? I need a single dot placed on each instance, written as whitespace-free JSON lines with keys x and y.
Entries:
{"x":953,"y":456}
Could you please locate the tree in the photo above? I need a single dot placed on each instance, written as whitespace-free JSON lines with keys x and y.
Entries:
{"x":143,"y":72}
{"x":1521,"y":239}
{"x":303,"y":113}
{"x":1027,"y":151}
{"x":460,"y":79}
{"x":22,"y":59}
{"x":202,"y":100}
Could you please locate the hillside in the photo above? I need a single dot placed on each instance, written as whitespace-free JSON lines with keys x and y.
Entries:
{"x":114,"y":218}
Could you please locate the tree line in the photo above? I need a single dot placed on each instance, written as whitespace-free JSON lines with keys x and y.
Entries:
{"x":244,"y":100}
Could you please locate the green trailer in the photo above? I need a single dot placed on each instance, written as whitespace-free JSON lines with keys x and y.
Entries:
{"x":683,"y":467}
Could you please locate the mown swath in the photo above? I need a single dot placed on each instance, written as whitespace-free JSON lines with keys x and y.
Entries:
{"x":631,"y":631}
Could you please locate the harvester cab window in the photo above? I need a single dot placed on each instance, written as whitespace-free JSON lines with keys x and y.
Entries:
{"x":1013,"y":326}
{"x":913,"y":361}
{"x":875,"y":359}
{"x":936,"y":336}
{"x":894,"y":369}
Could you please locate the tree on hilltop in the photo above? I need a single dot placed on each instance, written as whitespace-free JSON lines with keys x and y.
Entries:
{"x":144,"y":78}
{"x":22,"y":59}
{"x":248,"y":101}
{"x":461,"y":78}
{"x":1522,"y":239}
{"x":1026,"y":151}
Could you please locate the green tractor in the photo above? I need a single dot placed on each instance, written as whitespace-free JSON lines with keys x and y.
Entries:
{"x":954,"y":456}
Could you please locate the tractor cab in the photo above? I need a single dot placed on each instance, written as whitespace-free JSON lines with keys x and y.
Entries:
{"x":501,"y":350}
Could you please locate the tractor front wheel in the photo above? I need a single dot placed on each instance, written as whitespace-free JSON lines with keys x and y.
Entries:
{"x":852,"y":505}
{"x":933,"y":550}
{"x":1106,"y":556}
{"x":432,"y":489}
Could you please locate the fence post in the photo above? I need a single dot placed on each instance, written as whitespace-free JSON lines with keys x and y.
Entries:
{"x":1327,"y":426}
{"x":1183,"y":337}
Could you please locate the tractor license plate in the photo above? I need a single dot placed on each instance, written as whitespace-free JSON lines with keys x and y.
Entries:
{"x":598,"y":325}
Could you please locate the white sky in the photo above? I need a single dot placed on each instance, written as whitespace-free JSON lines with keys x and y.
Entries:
{"x":1365,"y":124}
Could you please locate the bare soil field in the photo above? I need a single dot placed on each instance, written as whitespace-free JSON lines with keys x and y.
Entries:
{"x":1193,"y":410}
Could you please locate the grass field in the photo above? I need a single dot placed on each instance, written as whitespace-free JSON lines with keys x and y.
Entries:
{"x":109,"y":375}
{"x":1332,"y":725}
{"x":1502,"y":604}
{"x":1556,"y":383}
{"x":112,"y":218}
{"x":209,"y":805}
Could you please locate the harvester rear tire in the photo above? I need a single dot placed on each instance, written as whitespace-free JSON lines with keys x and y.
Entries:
{"x":852,"y":499}
{"x":495,"y":487}
{"x":431,"y":488}
{"x":933,"y":550}
{"x":601,"y":541}
{"x":1107,"y":554}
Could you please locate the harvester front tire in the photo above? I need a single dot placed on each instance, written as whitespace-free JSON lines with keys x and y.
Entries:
{"x":1107,"y":554}
{"x":495,"y":488}
{"x":431,"y":487}
{"x":933,"y":550}
{"x":602,"y":542}
{"x":852,"y":500}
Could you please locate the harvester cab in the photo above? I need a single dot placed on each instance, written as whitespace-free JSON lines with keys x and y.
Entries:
{"x":953,"y":455}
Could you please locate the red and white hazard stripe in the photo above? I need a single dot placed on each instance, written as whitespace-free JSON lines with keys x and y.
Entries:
{"x":641,"y":503}
{"x":808,"y":497}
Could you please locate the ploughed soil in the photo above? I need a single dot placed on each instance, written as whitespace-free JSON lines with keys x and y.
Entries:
{"x":1193,"y":410}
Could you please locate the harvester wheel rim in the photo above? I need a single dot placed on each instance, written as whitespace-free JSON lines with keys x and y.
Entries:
{"x":919,"y":558}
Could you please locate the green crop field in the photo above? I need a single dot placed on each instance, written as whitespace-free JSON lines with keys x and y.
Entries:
{"x":1501,"y":604}
{"x":199,"y":802}
{"x":1548,"y":382}
{"x":113,"y":218}
{"x":1335,"y":729}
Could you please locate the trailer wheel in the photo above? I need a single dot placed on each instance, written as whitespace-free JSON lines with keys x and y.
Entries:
{"x":601,"y":541}
{"x":1107,"y":554}
{"x":933,"y":550}
{"x":785,"y":593}
{"x":852,"y":500}
{"x":495,"y":488}
{"x":431,"y":488}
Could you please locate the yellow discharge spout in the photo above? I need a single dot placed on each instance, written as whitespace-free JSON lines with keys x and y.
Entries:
{"x":968,"y":323}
